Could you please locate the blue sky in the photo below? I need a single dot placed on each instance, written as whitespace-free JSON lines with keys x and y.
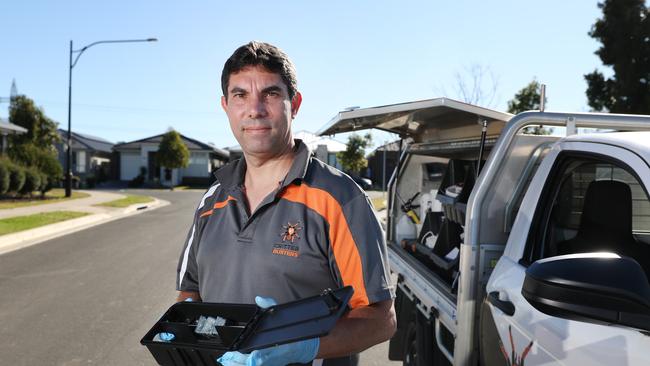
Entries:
{"x":347,"y":53}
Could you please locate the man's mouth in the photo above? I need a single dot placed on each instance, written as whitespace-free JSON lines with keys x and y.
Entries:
{"x":257,"y":129}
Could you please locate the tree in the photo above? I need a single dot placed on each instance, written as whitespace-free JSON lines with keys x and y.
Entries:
{"x":41,"y":130}
{"x":353,"y":158}
{"x":43,"y":159}
{"x":4,"y":177}
{"x":624,"y":32}
{"x":35,"y":148}
{"x":16,"y":177}
{"x":475,"y":84}
{"x":32,"y":181}
{"x":526,"y":99}
{"x":172,"y":152}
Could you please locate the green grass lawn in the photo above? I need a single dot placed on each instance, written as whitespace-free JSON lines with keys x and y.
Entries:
{"x":130,"y":199}
{"x":53,"y":196}
{"x":20,"y":223}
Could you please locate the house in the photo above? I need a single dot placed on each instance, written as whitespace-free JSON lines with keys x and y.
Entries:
{"x":235,"y":152}
{"x":139,"y":157}
{"x":7,"y":128}
{"x":382,"y":162}
{"x":91,"y":156}
{"x":324,"y":148}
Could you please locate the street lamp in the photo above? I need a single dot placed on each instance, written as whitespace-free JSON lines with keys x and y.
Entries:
{"x":68,"y":178}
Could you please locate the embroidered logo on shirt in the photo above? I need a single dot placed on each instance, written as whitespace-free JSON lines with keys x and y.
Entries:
{"x":291,"y":231}
{"x":288,"y":235}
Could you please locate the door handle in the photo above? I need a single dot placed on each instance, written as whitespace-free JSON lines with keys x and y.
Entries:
{"x":507,"y":307}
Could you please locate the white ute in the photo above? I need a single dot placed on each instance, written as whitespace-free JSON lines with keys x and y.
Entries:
{"x":511,"y":248}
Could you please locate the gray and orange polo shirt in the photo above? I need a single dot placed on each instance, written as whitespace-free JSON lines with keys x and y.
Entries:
{"x":317,"y":231}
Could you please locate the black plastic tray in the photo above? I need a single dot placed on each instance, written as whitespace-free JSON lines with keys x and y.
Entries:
{"x":247,"y":328}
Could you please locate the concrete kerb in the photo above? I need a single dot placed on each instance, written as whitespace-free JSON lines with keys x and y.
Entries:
{"x":23,"y":239}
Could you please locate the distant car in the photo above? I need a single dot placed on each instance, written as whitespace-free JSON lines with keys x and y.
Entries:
{"x":364,"y":183}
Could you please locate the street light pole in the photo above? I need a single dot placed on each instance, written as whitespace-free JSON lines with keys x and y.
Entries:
{"x":68,"y":160}
{"x":68,"y":168}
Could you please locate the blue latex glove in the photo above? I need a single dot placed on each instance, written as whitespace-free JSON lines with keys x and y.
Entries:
{"x":164,"y":337}
{"x":297,"y":352}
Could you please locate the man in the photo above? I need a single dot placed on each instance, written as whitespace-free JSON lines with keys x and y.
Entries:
{"x":281,"y":224}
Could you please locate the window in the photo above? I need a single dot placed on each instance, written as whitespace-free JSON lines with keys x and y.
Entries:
{"x":575,"y":187}
{"x":591,"y":204}
{"x":514,"y":203}
{"x":81,"y":161}
{"x":199,"y":158}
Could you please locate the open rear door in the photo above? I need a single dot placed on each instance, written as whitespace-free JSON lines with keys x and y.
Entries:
{"x":438,"y":130}
{"x":439,"y":119}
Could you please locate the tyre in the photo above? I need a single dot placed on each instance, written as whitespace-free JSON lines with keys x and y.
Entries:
{"x":411,"y":351}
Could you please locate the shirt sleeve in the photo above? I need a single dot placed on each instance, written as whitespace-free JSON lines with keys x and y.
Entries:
{"x":187,"y":278}
{"x":187,"y":272}
{"x":360,"y":253}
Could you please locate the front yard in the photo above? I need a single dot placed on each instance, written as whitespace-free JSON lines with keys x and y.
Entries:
{"x":130,"y":199}
{"x":54,"y":196}
{"x":20,"y":223}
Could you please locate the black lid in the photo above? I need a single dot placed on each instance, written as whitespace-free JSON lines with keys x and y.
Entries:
{"x":302,"y":319}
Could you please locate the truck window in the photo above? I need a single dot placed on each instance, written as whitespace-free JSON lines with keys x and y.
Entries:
{"x":592,"y":205}
{"x":579,"y":182}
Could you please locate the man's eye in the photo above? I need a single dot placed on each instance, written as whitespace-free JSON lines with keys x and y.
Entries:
{"x":238,"y":95}
{"x":273,"y":94}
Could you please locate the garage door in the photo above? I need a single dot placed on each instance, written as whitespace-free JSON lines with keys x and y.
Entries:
{"x":129,"y":165}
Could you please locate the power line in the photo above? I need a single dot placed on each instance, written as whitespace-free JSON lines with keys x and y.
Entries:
{"x":124,"y":108}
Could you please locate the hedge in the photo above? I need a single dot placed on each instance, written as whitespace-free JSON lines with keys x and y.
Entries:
{"x":17,"y":177}
{"x":4,"y":178}
{"x":32,"y":181}
{"x":45,"y":184}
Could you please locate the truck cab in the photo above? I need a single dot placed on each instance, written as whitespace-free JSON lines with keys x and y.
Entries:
{"x":512,"y":248}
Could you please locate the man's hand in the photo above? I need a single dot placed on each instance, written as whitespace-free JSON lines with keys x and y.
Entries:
{"x":184,"y":295}
{"x":297,"y":352}
{"x":359,"y":329}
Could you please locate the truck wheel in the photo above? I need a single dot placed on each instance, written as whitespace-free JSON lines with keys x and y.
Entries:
{"x":411,"y":352}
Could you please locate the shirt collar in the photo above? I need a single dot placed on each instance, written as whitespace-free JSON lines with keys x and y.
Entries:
{"x":232,"y":174}
{"x":300,"y":163}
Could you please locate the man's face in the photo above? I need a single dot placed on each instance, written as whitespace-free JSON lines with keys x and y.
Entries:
{"x":260,"y":111}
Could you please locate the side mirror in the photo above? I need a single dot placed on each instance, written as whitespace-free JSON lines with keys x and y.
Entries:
{"x":600,"y":288}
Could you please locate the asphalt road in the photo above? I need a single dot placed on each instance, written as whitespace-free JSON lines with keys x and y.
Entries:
{"x":87,"y":298}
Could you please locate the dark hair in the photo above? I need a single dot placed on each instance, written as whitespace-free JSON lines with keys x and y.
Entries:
{"x":256,"y":53}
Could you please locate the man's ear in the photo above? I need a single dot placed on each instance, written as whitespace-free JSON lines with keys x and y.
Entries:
{"x":224,"y":103}
{"x":295,"y":104}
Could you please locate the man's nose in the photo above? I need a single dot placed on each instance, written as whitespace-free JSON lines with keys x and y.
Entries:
{"x":257,"y":107}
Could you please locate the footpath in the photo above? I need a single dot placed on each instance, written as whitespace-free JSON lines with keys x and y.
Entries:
{"x":97,"y":215}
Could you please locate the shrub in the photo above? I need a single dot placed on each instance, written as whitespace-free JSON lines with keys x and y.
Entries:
{"x":16,"y":177}
{"x":4,"y":177}
{"x":32,"y":181}
{"x":46,"y":184}
{"x":139,"y":180}
{"x":44,"y":159}
{"x":76,"y":181}
{"x":91,"y":181}
{"x":136,"y":182}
